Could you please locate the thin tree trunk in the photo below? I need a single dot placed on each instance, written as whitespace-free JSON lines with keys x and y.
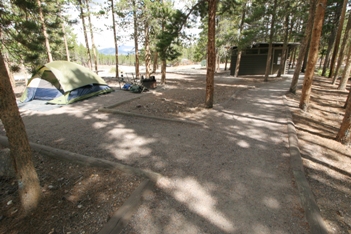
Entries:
{"x":343,"y":46}
{"x":211,"y":50}
{"x":217,"y":62}
{"x":115,"y":37}
{"x":20,"y":151}
{"x":312,"y":54}
{"x":293,"y":58}
{"x":155,"y":65}
{"x":85,"y":32}
{"x":163,"y":71}
{"x":271,"y":34}
{"x":304,"y":63}
{"x":238,"y":58}
{"x":237,"y":64}
{"x":321,"y":61}
{"x":338,"y":36}
{"x":346,"y":73}
{"x":66,"y":44}
{"x":344,"y":134}
{"x":164,"y":61}
{"x":332,"y":40}
{"x":92,"y":38}
{"x":303,"y":47}
{"x":147,"y":50}
{"x":285,"y":46}
{"x":46,"y":36}
{"x":137,"y":74}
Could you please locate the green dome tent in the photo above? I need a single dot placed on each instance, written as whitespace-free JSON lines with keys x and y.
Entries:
{"x":63,"y":82}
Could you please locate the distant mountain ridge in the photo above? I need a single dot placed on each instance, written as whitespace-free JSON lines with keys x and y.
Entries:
{"x":123,"y":49}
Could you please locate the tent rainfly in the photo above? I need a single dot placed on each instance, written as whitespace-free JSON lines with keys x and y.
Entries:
{"x":62,"y":82}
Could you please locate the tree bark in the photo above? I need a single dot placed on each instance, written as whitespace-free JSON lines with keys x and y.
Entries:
{"x":337,"y":38}
{"x":163,"y":61}
{"x":344,"y":134}
{"x":346,"y":74}
{"x":155,"y":65}
{"x":271,"y":34}
{"x":211,"y":51}
{"x":285,"y":46}
{"x":332,"y":40}
{"x":238,"y":58}
{"x":92,"y":38}
{"x":65,"y":41}
{"x":342,"y":49}
{"x":137,"y":73}
{"x":85,"y":32}
{"x":312,"y":54}
{"x":237,"y":64}
{"x":147,"y":50}
{"x":115,"y":37}
{"x":46,"y":36}
{"x":303,"y":47}
{"x":20,"y":151}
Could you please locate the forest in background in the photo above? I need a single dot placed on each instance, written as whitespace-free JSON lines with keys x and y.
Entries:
{"x":32,"y":28}
{"x":33,"y":33}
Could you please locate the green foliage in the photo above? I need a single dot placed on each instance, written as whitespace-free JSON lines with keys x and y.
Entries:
{"x":23,"y":38}
{"x":172,"y":22}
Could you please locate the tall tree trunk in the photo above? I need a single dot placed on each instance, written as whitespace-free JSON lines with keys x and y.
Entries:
{"x":218,"y":61}
{"x":338,"y":36}
{"x":346,"y":74}
{"x":211,"y":51}
{"x":65,"y":41}
{"x":271,"y":34}
{"x":312,"y":54}
{"x":344,"y":134}
{"x":147,"y":50}
{"x":238,"y":58}
{"x":163,"y":61}
{"x":115,"y":37}
{"x":237,"y":64}
{"x":155,"y":65}
{"x":20,"y":151}
{"x":331,"y":41}
{"x":46,"y":36}
{"x":303,"y":68}
{"x":321,"y":60}
{"x":137,"y":74}
{"x":293,"y":58}
{"x":85,"y":32}
{"x":303,"y":47}
{"x":92,"y":38}
{"x":342,"y":48}
{"x":285,"y":47}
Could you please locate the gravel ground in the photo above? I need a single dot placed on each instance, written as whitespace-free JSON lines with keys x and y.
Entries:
{"x":229,"y":175}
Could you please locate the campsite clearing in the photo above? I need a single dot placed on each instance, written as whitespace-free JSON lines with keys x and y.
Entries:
{"x":70,"y":128}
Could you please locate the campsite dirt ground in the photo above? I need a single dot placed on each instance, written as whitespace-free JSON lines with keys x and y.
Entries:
{"x":80,"y":199}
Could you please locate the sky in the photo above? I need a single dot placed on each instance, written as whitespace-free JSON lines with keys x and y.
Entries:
{"x":103,"y":37}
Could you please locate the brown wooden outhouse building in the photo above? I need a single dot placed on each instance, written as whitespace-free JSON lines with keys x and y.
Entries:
{"x":254,"y":58}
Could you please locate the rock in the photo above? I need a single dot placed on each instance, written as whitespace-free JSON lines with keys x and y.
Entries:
{"x":52,"y":187}
{"x":6,"y":167}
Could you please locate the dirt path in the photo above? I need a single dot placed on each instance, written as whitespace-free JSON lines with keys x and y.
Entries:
{"x":230,"y":173}
{"x":231,"y":176}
